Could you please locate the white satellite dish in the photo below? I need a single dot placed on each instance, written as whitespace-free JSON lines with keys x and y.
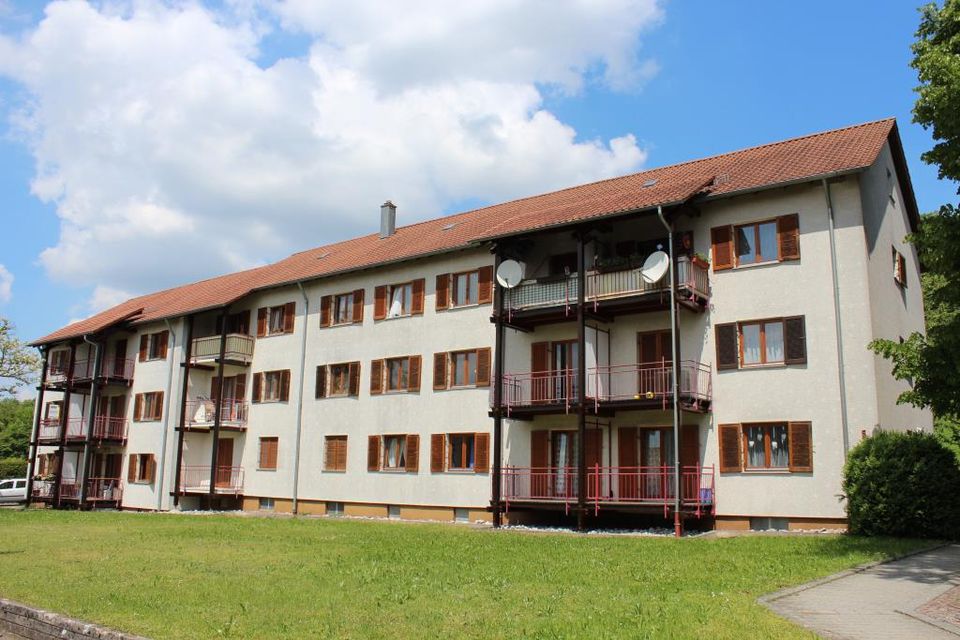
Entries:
{"x":509,"y":274}
{"x":655,"y":267}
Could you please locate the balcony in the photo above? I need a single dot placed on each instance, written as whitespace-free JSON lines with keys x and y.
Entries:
{"x":196,"y":479}
{"x":112,"y":371}
{"x":106,"y":492}
{"x":611,"y":486}
{"x":50,"y":430}
{"x":200,"y":414}
{"x":238,"y":351}
{"x":608,"y":389}
{"x":105,"y":429}
{"x":608,"y":293}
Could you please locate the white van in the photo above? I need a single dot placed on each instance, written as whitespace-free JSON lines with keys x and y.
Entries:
{"x":13,"y":490}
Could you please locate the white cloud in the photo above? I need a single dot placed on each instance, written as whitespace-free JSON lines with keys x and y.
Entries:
{"x":6,"y":284}
{"x":171,"y":155}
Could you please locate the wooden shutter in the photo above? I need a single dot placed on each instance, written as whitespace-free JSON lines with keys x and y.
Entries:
{"x":257,"y":388}
{"x":440,"y":361}
{"x":358,"y":305}
{"x":483,"y":367}
{"x":243,"y":322}
{"x":373,"y":453}
{"x":285,"y":385}
{"x":593,"y":439}
{"x":485,"y":288}
{"x":689,"y":445}
{"x":730,"y":458}
{"x":329,"y":455}
{"x":214,"y":387}
{"x":539,"y":448}
{"x":416,"y":307}
{"x":728,"y":347}
{"x":262,"y":313}
{"x":138,"y":407}
{"x":902,"y":269}
{"x":540,"y":357}
{"x":289,"y":314}
{"x":438,"y":452}
{"x":326,"y":311}
{"x":628,"y":460}
{"x":722,"y":240}
{"x":164,"y":338}
{"x":144,"y":346}
{"x":376,"y":377}
{"x":320,"y":386}
{"x":380,"y":302}
{"x":443,"y":291}
{"x":151,"y":469}
{"x":132,"y":464}
{"x":240,"y":387}
{"x":481,"y":452}
{"x":413,"y":381}
{"x":354,"y":373}
{"x":794,"y":340}
{"x":788,"y":235}
{"x":540,"y":391}
{"x":800,"y":439}
{"x":158,"y":405}
{"x":413,"y":453}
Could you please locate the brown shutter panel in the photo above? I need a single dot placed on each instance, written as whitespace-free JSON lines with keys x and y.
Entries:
{"x":800,"y":437}
{"x":689,"y":445}
{"x":240,"y":387}
{"x":132,"y":467}
{"x":326,"y":311}
{"x":354,"y":372}
{"x":730,"y":458}
{"x":540,"y":357}
{"x":788,"y":233}
{"x":164,"y":341}
{"x":243,"y":322}
{"x":214,"y":387}
{"x":416,"y":306}
{"x":443,"y":291}
{"x":795,"y":340}
{"x":320,"y":386}
{"x":539,"y":448}
{"x":158,"y":406}
{"x":257,"y":388}
{"x":722,"y":240}
{"x":151,"y":469}
{"x":285,"y":385}
{"x":485,"y":279}
{"x":649,"y":348}
{"x":373,"y":453}
{"x":437,"y":452}
{"x":627,"y":485}
{"x":481,"y":444}
{"x":138,"y":407}
{"x":539,"y":366}
{"x":483,"y":367}
{"x":413,"y":453}
{"x":144,"y":343}
{"x":376,"y":377}
{"x":902,"y":269}
{"x":728,"y":347}
{"x":262,"y":321}
{"x":413,"y":383}
{"x":380,"y":302}
{"x":358,"y":305}
{"x":329,"y":454}
{"x":440,"y":370}
{"x":594,"y":445}
{"x":289,"y":314}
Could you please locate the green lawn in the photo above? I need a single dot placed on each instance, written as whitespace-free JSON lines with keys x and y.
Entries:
{"x":172,"y":576}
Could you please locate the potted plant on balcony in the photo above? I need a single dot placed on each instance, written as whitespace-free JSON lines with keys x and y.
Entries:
{"x":700,"y":260}
{"x":611,"y":263}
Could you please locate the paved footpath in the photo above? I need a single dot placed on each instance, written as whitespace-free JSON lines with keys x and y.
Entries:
{"x":916,"y":597}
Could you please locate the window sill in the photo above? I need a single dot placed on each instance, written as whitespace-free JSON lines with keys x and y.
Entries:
{"x":461,"y":472}
{"x":341,"y":324}
{"x":334,"y":471}
{"x":264,"y":469}
{"x":755,"y":265}
{"x":275,"y":335}
{"x":271,"y":402}
{"x":764,"y":365}
{"x":767,"y":472}
{"x":456,"y":307}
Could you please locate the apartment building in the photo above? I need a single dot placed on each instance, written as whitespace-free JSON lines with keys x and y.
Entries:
{"x":519,"y":360}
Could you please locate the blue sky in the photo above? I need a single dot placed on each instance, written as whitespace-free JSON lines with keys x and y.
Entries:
{"x":729,"y":75}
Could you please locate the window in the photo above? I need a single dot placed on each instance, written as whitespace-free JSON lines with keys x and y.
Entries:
{"x":268,"y":454}
{"x":141,"y":468}
{"x":899,"y":268}
{"x":753,"y":343}
{"x":334,"y":508}
{"x":148,"y":407}
{"x":395,"y":452}
{"x":266,"y":504}
{"x":464,"y":368}
{"x":465,"y":289}
{"x":761,"y":342}
{"x":765,"y":446}
{"x":343,"y":308}
{"x":278,"y":320}
{"x":53,"y":411}
{"x":399,"y":300}
{"x":395,"y":374}
{"x":759,"y":446}
{"x":335,"y":453}
{"x":460,"y":452}
{"x":338,"y":380}
{"x":153,"y":346}
{"x":757,"y":243}
{"x":59,"y":361}
{"x":461,"y":447}
{"x":271,"y":386}
{"x":461,"y":369}
{"x":398,"y":374}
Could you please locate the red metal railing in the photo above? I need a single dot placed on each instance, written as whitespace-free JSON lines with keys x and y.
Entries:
{"x":104,"y":490}
{"x":110,"y":428}
{"x":42,"y":490}
{"x":645,"y":486}
{"x":644,"y":381}
{"x":69,"y":489}
{"x":111,"y":368}
{"x":197,"y":479}
{"x":200,"y":413}
{"x":50,"y":429}
{"x":76,"y":429}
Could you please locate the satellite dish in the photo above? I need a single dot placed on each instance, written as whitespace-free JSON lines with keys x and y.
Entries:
{"x":655,"y":267}
{"x":509,"y":274}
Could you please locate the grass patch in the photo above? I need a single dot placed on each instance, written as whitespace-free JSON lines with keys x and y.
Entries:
{"x":173,"y":576}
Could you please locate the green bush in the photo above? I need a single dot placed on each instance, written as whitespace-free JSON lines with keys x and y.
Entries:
{"x":902,"y":484}
{"x":13,"y":468}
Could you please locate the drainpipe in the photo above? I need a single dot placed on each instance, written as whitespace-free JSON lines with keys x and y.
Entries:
{"x":836,"y":315}
{"x":38,"y":410}
{"x":675,"y":383}
{"x":303,"y":362}
{"x":166,"y":414}
{"x":91,"y":418}
{"x":497,"y":480}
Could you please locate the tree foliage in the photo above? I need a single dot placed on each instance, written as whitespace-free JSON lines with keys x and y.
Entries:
{"x":18,"y":363}
{"x":16,"y":424}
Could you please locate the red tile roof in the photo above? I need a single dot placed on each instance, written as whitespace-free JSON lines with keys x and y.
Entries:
{"x":799,"y":159}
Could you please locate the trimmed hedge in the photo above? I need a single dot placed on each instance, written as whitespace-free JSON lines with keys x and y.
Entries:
{"x":13,"y":468}
{"x":902,"y":484}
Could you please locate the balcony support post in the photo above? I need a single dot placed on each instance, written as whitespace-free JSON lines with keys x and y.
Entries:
{"x":91,"y":417}
{"x":167,"y":402}
{"x":581,"y":382}
{"x":64,"y":422}
{"x":38,"y":411}
{"x":184,"y":390}
{"x":217,"y":405}
{"x":496,"y":488}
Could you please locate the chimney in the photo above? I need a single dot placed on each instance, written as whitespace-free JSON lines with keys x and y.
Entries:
{"x":388,"y":219}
